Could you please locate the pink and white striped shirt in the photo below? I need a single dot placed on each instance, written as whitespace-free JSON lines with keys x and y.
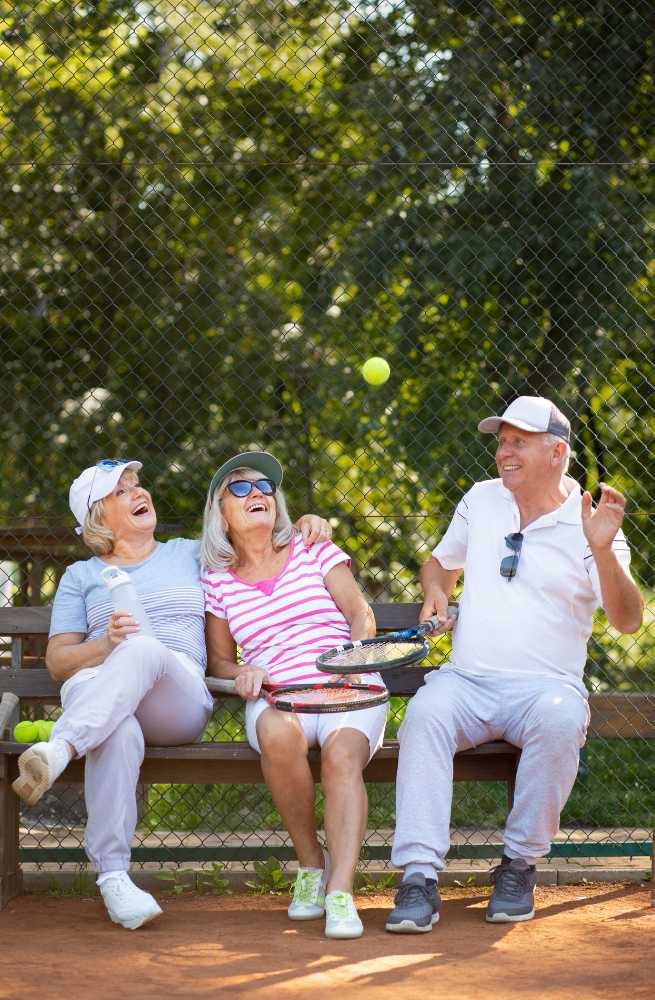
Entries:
{"x":282,"y":624}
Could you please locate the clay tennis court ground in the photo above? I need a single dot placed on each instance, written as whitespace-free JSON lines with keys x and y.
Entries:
{"x":586,"y":941}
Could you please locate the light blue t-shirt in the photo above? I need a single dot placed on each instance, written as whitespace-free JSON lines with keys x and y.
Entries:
{"x":168,"y":583}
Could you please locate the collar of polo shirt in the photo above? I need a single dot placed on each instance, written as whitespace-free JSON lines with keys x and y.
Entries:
{"x":569,"y":513}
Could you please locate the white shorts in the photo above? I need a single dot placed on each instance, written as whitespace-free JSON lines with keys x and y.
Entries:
{"x":317,"y":727}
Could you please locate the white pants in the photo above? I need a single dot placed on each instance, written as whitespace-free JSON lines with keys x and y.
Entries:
{"x":456,"y":710}
{"x":142,"y":695}
{"x":317,"y":727}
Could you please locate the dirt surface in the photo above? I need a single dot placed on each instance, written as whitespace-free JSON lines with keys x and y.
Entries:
{"x":587,"y":941}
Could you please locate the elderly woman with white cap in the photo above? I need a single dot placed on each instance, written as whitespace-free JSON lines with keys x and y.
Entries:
{"x":282,"y":605}
{"x":120,"y":695}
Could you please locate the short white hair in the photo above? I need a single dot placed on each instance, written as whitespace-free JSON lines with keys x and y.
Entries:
{"x":550,"y":439}
{"x":216,"y":550}
{"x":99,"y":538}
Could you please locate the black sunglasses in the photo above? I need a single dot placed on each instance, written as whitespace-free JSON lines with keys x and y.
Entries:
{"x":243,"y":487}
{"x":509,"y":564}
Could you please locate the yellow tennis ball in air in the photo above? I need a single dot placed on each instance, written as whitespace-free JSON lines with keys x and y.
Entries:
{"x":26,"y":732}
{"x":376,"y":371}
{"x":44,"y":729}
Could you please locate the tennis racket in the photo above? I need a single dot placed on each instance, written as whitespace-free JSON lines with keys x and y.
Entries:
{"x":319,"y":699}
{"x":384,"y":652}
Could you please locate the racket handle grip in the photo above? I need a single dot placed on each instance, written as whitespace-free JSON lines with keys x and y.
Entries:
{"x":217,"y":685}
{"x":433,"y":623}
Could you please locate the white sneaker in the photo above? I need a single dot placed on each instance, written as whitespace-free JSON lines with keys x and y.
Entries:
{"x":308,"y":901}
{"x":39,"y":768}
{"x":128,"y":905}
{"x":341,"y":916}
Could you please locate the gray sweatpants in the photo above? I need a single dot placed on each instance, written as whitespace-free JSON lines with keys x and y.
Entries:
{"x":456,"y":710}
{"x":142,"y":695}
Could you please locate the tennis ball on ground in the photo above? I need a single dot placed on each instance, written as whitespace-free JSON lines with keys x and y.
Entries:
{"x":26,"y":732}
{"x":44,"y":729}
{"x":376,"y":371}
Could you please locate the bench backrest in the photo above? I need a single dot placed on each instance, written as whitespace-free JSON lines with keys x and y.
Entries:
{"x":628,"y":716}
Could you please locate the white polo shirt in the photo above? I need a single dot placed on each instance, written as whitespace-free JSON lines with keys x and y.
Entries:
{"x":540,"y":620}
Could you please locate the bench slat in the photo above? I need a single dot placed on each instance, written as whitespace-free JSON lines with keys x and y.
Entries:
{"x":36,"y":621}
{"x":25,"y":621}
{"x":227,"y":763}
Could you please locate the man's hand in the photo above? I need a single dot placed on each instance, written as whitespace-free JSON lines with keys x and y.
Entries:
{"x":601,"y":525}
{"x":436,"y":606}
{"x":313,"y":529}
{"x":249,"y":682}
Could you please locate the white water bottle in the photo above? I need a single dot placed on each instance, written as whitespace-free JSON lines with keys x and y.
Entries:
{"x":125,"y":598}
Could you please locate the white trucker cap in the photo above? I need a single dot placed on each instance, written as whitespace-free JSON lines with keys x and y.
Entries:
{"x":530,"y":413}
{"x":95,"y":483}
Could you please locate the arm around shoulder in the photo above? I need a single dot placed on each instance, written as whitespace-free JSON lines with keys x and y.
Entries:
{"x":346,"y":594}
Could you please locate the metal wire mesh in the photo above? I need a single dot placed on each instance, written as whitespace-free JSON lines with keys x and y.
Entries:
{"x":213,"y":212}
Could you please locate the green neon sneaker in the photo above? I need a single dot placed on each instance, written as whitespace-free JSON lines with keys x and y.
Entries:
{"x":308,"y":901}
{"x":341,"y":920}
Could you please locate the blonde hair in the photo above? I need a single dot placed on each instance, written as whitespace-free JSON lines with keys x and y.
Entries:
{"x":216,"y":549}
{"x":96,"y":535}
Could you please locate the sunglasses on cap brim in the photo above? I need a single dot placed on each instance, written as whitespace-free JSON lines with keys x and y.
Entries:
{"x":106,"y":464}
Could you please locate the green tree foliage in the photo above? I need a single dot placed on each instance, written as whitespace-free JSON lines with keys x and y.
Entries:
{"x":212,"y":213}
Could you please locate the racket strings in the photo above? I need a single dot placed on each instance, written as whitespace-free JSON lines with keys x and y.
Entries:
{"x":327,"y":694}
{"x":378,"y":652}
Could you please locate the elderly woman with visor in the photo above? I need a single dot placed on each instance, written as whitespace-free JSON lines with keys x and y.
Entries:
{"x":282,"y":605}
{"x":121,"y":690}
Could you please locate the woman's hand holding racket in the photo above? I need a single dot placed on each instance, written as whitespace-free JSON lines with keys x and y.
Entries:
{"x":250,"y":681}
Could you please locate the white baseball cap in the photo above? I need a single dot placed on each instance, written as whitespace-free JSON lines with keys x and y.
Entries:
{"x":95,"y":483}
{"x":530,"y":413}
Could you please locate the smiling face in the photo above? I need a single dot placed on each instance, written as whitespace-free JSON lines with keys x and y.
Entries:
{"x":256,"y":512}
{"x":128,"y":509}
{"x":525,"y":460}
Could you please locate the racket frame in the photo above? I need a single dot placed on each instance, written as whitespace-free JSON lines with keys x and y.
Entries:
{"x":417,"y":655}
{"x":272,"y":693}
{"x":412,"y":658}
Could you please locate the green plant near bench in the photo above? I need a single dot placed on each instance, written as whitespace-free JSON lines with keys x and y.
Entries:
{"x":218,"y":886}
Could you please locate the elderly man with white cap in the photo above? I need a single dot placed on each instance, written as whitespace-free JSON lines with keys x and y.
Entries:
{"x":538,"y":560}
{"x":120,"y":695}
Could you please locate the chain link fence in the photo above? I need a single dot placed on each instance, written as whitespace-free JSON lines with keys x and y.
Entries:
{"x":212,"y":212}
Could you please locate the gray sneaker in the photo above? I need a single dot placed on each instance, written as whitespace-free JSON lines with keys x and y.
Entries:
{"x":416,"y":907}
{"x":513,"y":895}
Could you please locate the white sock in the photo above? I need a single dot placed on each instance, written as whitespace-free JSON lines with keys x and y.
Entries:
{"x":422,"y":868}
{"x":103,"y":876}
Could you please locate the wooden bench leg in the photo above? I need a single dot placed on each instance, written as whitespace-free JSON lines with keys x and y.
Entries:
{"x":11,"y":877}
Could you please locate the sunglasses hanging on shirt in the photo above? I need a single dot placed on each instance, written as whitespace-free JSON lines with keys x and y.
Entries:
{"x":509,"y":564}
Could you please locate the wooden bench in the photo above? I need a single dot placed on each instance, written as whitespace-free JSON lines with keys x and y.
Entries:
{"x":233,"y":762}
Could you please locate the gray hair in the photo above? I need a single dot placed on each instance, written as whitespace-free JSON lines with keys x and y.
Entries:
{"x":555,"y":439}
{"x":99,"y":538}
{"x":216,"y":550}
